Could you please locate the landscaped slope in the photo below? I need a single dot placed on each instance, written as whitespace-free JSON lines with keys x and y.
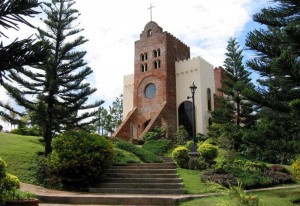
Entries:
{"x":20,"y":153}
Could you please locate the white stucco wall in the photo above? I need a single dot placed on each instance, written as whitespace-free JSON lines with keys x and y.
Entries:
{"x":200,"y":72}
{"x":128,"y":86}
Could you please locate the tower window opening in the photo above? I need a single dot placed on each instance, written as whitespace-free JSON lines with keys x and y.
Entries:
{"x":156,"y":53}
{"x":144,"y":67}
{"x":149,"y":32}
{"x":145,"y":56}
{"x":156,"y":64}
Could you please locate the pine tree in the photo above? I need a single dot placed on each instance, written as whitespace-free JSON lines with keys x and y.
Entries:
{"x":57,"y":86}
{"x":278,"y":48}
{"x":235,"y":110}
{"x":19,"y":53}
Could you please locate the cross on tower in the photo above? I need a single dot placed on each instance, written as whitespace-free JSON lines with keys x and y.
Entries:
{"x":150,"y":8}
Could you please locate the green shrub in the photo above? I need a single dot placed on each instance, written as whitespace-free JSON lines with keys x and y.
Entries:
{"x":10,"y":182}
{"x":144,"y":155}
{"x":181,"y":157}
{"x":196,"y":164}
{"x":208,"y":151}
{"x":81,"y":158}
{"x":155,"y":134}
{"x":158,"y":147}
{"x":181,"y":135}
{"x":2,"y":168}
{"x":296,"y":168}
{"x":30,"y":131}
{"x":224,"y":179}
{"x":122,"y":158}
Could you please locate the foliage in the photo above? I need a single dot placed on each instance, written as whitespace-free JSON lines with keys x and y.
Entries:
{"x":277,"y":62}
{"x":122,"y":157}
{"x":8,"y":182}
{"x":157,"y":147}
{"x":278,"y":177}
{"x":181,"y":157}
{"x":81,"y":158}
{"x":181,"y":135}
{"x":208,"y":151}
{"x":296,"y":168}
{"x":57,"y":88}
{"x":1,"y":128}
{"x":271,"y":139}
{"x":239,"y":197}
{"x":19,"y":53}
{"x":143,"y":154}
{"x":196,"y":164}
{"x":28,"y":131}
{"x":225,"y":179}
{"x":155,"y":134}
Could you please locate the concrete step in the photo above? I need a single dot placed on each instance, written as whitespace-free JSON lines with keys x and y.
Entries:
{"x":146,"y":166}
{"x":142,"y":171}
{"x":142,"y":185}
{"x":136,"y":191}
{"x":143,"y":180}
{"x":135,"y":175}
{"x":107,"y":200}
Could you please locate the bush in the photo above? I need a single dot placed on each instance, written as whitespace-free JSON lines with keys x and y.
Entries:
{"x":144,"y":155}
{"x":278,"y":177}
{"x":8,"y":182}
{"x":208,"y":151}
{"x":30,"y":131}
{"x":279,"y":168}
{"x":80,"y":158}
{"x":158,"y":147}
{"x":122,"y":158}
{"x":155,"y":134}
{"x":225,"y":179}
{"x":181,"y":135}
{"x":196,"y":164}
{"x":181,"y":157}
{"x":296,"y":168}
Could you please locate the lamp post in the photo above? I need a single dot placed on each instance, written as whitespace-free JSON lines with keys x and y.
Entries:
{"x":193,"y":89}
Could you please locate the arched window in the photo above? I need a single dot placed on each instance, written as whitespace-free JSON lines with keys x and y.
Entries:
{"x":142,"y":57}
{"x":154,"y":53}
{"x":131,"y":130}
{"x":145,"y":56}
{"x":143,"y":67}
{"x":208,"y":99}
{"x":149,"y":32}
{"x":158,"y":52}
{"x":185,"y":116}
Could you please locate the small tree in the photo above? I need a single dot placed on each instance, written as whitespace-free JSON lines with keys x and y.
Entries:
{"x":181,"y":135}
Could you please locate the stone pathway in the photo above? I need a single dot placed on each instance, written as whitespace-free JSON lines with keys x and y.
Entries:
{"x":40,"y":192}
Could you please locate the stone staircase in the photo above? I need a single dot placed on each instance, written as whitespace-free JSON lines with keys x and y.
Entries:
{"x":147,"y":178}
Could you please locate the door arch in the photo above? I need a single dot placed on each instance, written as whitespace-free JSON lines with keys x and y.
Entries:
{"x":185,"y":116}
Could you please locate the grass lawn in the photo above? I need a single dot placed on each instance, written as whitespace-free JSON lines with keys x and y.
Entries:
{"x":192,"y":182}
{"x":285,"y":197}
{"x":19,"y":152}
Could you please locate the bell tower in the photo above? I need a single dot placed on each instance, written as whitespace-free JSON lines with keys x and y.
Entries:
{"x":154,"y":90}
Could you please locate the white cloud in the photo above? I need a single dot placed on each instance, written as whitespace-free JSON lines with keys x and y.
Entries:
{"x":113,"y":26}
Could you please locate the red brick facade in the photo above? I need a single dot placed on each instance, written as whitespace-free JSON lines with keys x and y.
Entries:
{"x":219,"y":74}
{"x":155,"y":55}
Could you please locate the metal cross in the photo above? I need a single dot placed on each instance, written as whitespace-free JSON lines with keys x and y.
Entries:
{"x":150,"y":8}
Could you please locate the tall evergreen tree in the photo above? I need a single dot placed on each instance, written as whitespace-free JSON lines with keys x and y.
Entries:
{"x":57,"y":86}
{"x":277,"y":60}
{"x":278,"y":56}
{"x":235,"y":110}
{"x":20,"y":52}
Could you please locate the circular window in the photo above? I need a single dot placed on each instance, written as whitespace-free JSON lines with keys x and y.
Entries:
{"x":150,"y":90}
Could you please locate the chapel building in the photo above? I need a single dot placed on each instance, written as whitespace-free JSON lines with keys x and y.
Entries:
{"x":156,"y":94}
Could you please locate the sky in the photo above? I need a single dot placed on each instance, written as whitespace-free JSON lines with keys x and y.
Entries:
{"x":113,"y":26}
